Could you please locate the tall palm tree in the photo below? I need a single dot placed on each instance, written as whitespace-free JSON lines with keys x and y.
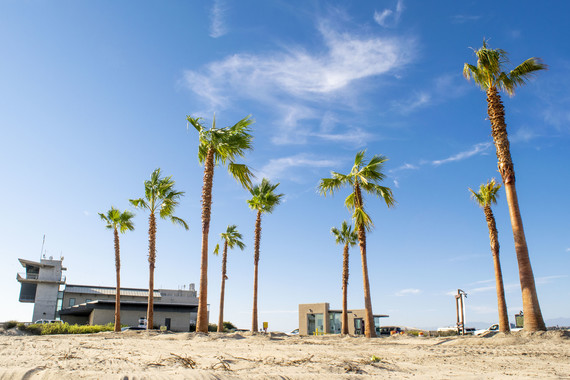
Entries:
{"x":159,"y":196}
{"x":489,"y":75}
{"x":231,"y":238}
{"x":218,"y":146}
{"x":263,"y":201}
{"x":348,"y":237}
{"x":364,"y":175}
{"x":485,"y":197}
{"x":118,"y":222}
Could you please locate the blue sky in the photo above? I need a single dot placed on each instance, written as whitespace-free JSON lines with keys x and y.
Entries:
{"x":95,"y":97}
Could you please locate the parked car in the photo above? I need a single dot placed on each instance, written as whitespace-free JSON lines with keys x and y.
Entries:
{"x":294,"y":332}
{"x":494,"y":327}
{"x":46,"y":321}
{"x":387,"y":330}
{"x":130,"y":328}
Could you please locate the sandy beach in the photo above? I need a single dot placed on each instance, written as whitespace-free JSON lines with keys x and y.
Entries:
{"x":154,"y":355}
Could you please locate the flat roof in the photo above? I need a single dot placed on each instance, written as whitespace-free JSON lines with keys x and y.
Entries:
{"x":107,"y":290}
{"x":31,"y":263}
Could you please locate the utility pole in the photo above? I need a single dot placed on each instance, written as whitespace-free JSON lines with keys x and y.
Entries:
{"x":460,"y":316}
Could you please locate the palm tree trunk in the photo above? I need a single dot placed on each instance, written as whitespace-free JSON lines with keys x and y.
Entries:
{"x":151,"y":261}
{"x":533,"y":320}
{"x":345,"y":290}
{"x":370,"y":329}
{"x":224,"y":261}
{"x":118,"y":289}
{"x":202,"y":319}
{"x":501,"y":301}
{"x":254,"y":323}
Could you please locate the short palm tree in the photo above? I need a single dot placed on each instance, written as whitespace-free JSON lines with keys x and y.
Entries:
{"x":348,"y":237}
{"x":263,"y":201}
{"x":364,"y":175}
{"x":485,"y":197}
{"x":118,"y":222}
{"x":231,"y":239}
{"x":489,"y":75}
{"x":159,"y":196}
{"x":218,"y":146}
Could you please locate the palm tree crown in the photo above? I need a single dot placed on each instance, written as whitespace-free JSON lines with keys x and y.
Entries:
{"x":363,"y":176}
{"x":487,"y":194}
{"x":232,"y":237}
{"x":159,"y":195}
{"x":226,"y":144}
{"x":488,"y":72}
{"x":345,"y":235}
{"x":122,"y":221}
{"x":263,"y":197}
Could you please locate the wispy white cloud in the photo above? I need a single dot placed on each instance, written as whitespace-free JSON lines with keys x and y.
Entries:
{"x":86,"y":213}
{"x":390,"y":18}
{"x":300,"y":73}
{"x":406,"y":292}
{"x":548,"y":279}
{"x":417,"y":100}
{"x":567,"y":249}
{"x":480,"y":148}
{"x":217,"y":25}
{"x":442,"y":88}
{"x":277,"y":168}
{"x":294,"y":81}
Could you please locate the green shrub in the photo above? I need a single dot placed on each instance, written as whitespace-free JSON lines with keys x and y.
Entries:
{"x":21,"y":326}
{"x":65,"y":328}
{"x":10,"y":324}
{"x":212,"y":327}
{"x":228,"y":326}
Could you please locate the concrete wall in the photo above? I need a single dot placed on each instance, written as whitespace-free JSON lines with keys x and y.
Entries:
{"x":312,"y":308}
{"x":323,"y":308}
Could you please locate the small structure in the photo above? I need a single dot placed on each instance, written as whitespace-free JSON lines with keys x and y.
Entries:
{"x":43,"y":284}
{"x":317,"y":318}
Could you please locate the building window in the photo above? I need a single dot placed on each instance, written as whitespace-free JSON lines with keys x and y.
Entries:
{"x":71,"y":302}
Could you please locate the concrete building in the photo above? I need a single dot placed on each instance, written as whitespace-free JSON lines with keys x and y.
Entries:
{"x":43,"y":285}
{"x":317,"y":318}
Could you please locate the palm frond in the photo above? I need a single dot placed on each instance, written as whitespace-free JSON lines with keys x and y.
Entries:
{"x":241,"y":173}
{"x":361,"y":218}
{"x":139,"y":203}
{"x":217,"y":250}
{"x":177,"y":220}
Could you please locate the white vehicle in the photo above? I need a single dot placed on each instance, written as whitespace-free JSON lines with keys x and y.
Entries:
{"x":495,"y":328}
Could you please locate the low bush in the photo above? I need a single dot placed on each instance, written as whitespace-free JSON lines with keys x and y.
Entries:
{"x":10,"y":324}
{"x":65,"y":328}
{"x":228,"y":326}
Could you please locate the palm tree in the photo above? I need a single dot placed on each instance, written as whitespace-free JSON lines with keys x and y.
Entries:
{"x":489,"y":75}
{"x":231,"y":239}
{"x":485,"y":197}
{"x":263,"y":201}
{"x":348,"y":237}
{"x":159,"y":196}
{"x":218,"y":146}
{"x":363,"y":176}
{"x":118,"y":221}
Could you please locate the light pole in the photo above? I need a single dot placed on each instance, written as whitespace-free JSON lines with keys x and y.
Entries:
{"x":460,"y":317}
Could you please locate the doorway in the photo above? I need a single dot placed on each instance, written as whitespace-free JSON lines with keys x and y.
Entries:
{"x":315,"y":324}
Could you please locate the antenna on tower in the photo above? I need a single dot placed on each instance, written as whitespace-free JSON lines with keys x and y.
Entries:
{"x":42,"y":255}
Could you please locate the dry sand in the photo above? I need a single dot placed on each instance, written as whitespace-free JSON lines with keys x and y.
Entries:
{"x":152,"y":355}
